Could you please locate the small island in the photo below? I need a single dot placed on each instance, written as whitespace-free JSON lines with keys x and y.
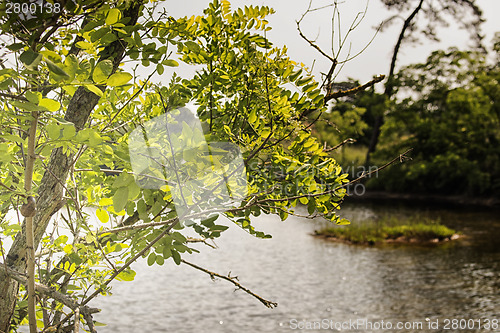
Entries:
{"x":390,"y":230}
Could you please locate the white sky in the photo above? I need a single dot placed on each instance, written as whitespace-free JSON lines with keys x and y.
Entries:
{"x":376,"y":58}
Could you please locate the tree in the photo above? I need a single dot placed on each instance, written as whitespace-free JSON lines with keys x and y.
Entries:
{"x":450,"y":116}
{"x":70,"y":107}
{"x":435,"y":13}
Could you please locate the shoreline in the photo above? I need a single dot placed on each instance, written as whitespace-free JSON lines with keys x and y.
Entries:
{"x":399,"y":240}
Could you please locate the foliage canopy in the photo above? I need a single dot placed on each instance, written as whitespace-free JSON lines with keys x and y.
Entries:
{"x":74,"y":73}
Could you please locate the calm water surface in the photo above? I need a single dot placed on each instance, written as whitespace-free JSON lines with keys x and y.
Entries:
{"x":314,"y":280}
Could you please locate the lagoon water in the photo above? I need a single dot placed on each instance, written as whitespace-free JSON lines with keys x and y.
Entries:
{"x":317,"y":282}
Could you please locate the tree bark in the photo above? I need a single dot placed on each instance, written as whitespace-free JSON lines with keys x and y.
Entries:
{"x":389,"y":87}
{"x":50,"y":191}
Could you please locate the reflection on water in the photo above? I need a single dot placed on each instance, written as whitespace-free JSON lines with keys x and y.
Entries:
{"x":312,"y":279}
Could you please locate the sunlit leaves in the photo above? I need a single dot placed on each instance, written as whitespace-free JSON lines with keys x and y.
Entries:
{"x":170,"y":63}
{"x":113,"y":16}
{"x":118,"y":79}
{"x":49,"y":104}
{"x":53,"y":130}
{"x":243,"y":91}
{"x":126,"y":275}
{"x":102,"y":70}
{"x":69,"y":131}
{"x":94,"y":89}
{"x":102,"y":215}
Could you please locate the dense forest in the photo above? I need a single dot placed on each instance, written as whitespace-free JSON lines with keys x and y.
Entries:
{"x":446,"y":110}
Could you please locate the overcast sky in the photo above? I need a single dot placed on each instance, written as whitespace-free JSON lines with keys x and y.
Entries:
{"x":374,"y":60}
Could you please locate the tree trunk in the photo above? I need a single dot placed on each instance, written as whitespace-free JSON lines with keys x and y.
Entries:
{"x":50,"y":191}
{"x":389,"y":87}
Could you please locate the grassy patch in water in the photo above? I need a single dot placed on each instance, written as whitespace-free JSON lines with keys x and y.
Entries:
{"x":390,"y":229}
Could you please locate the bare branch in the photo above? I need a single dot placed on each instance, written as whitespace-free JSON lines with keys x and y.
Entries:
{"x":200,"y":240}
{"x":354,"y":90}
{"x":232,"y":279}
{"x":314,"y":45}
{"x":401,"y":157}
{"x":349,"y":140}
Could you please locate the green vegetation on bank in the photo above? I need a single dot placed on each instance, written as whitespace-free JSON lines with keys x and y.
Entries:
{"x":446,"y":109}
{"x":390,"y":229}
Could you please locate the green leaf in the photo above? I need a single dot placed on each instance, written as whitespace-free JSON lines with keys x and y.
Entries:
{"x":167,"y":253}
{"x":219,"y":227}
{"x":25,"y":105}
{"x":160,"y":260}
{"x":133,"y":190}
{"x":311,"y":206}
{"x":102,"y":215}
{"x":109,"y":38}
{"x":130,"y":210}
{"x":94,"y":138}
{"x":96,"y":35}
{"x":102,"y":70}
{"x":176,"y":256}
{"x":252,"y":117}
{"x":210,"y":221}
{"x":170,"y":63}
{"x":343,"y":222}
{"x":160,"y":69}
{"x":94,"y":89}
{"x":123,"y":180}
{"x":51,"y":55}
{"x":295,"y":75}
{"x":69,"y":131}
{"x":118,"y":79}
{"x":304,"y":81}
{"x":192,"y":46}
{"x":32,"y":97}
{"x":126,"y":275}
{"x":56,"y":69}
{"x":137,"y":39}
{"x":141,"y":208}
{"x":105,"y":202}
{"x":84,"y":45}
{"x":30,"y":59}
{"x":120,"y":199}
{"x":113,"y":16}
{"x":151,"y":258}
{"x":15,"y":46}
{"x":178,"y":237}
{"x":50,"y":104}
{"x":53,"y":130}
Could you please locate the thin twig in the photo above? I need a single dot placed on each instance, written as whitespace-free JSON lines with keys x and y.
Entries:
{"x":349,"y":140}
{"x":314,"y":45}
{"x":400,"y":157}
{"x":19,"y":98}
{"x":232,"y":279}
{"x":200,"y":240}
